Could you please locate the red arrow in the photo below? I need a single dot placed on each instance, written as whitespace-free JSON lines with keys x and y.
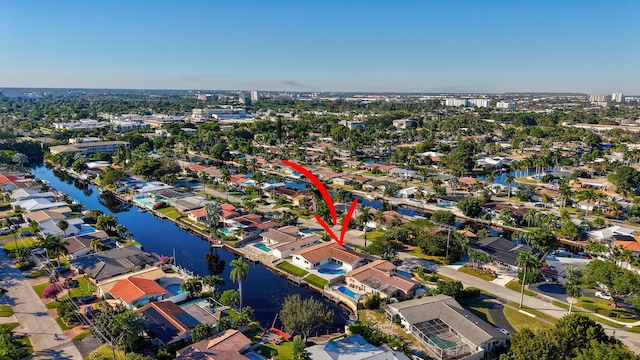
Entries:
{"x":318,"y":184}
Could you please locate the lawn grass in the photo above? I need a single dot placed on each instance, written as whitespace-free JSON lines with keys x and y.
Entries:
{"x":105,"y":352}
{"x":537,"y":313}
{"x":64,"y":326}
{"x":520,"y":321}
{"x":316,"y":281}
{"x":284,"y":351}
{"x":26,"y":241}
{"x":253,"y":335}
{"x":434,"y":259}
{"x":635,"y":329}
{"x":5,"y":311}
{"x":81,"y":290}
{"x":169,"y":212}
{"x":39,"y":289}
{"x":37,"y":274}
{"x":515,"y":286}
{"x":82,"y":335}
{"x":474,"y":272}
{"x":589,"y":315}
{"x":292,"y":269}
{"x":372,"y":235}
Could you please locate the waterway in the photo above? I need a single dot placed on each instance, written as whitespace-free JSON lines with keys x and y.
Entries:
{"x":263,"y":290}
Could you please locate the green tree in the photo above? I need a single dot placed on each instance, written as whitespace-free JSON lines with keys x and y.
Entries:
{"x":303,"y":316}
{"x":573,"y":291}
{"x":626,"y":179}
{"x":525,"y":261}
{"x":63,"y":225}
{"x":230,"y":297}
{"x":54,"y":245}
{"x":619,"y":282}
{"x":299,"y":351}
{"x":10,"y":347}
{"x":471,"y":207}
{"x":385,"y":247}
{"x":201,"y":332}
{"x":239,"y":274}
{"x":445,"y":217}
{"x":192,"y":286}
{"x":605,"y":351}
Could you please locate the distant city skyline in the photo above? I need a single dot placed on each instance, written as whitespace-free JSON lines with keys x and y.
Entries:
{"x":355,"y":46}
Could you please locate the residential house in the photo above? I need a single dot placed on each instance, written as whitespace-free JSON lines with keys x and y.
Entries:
{"x":381,"y":277}
{"x":298,"y":199}
{"x":380,"y":185}
{"x":327,"y":253}
{"x":250,"y":226}
{"x":446,"y":200}
{"x":609,"y":233}
{"x":407,"y":193}
{"x":227,"y":346}
{"x":167,"y":323}
{"x":403,"y":123}
{"x":36,"y":204}
{"x":80,"y":245}
{"x":504,"y":251}
{"x":490,"y":162}
{"x":50,"y":227}
{"x":197,"y":215}
{"x":133,"y":292}
{"x":105,"y":264}
{"x":288,"y":239}
{"x":352,"y":348}
{"x":403,"y":173}
{"x":44,"y":215}
{"x":438,"y":320}
{"x":26,"y":194}
{"x":342,"y":181}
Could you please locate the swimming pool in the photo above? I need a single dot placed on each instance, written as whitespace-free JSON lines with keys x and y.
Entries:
{"x":331,"y":271}
{"x":227,"y":231}
{"x":174,"y":289}
{"x":86,"y":229}
{"x":262,"y":247}
{"x":254,"y":356}
{"x":347,"y":292}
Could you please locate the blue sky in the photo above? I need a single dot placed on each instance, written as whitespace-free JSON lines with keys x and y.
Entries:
{"x":404,"y":46}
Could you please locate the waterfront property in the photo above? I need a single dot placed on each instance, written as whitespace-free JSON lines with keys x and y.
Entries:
{"x":80,"y":245}
{"x":91,"y":147}
{"x":446,"y":328}
{"x":287,"y":239}
{"x":250,"y":226}
{"x":504,"y":251}
{"x":381,"y":277}
{"x":327,"y":255}
{"x":134,"y":292}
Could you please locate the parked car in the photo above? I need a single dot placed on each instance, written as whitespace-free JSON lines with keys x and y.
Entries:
{"x":88,"y":310}
{"x":38,"y":251}
{"x":603,"y":295}
{"x":5,"y":231}
{"x":87,"y":299}
{"x":505,"y":332}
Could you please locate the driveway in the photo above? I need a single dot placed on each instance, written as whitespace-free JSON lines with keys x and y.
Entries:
{"x":496,"y":311}
{"x":34,"y":319}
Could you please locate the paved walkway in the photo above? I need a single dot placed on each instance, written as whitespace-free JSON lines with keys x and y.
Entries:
{"x":34,"y":319}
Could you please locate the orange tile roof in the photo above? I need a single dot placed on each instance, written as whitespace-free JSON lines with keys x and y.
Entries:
{"x":228,"y":207}
{"x":199,"y":212}
{"x":629,"y":245}
{"x":327,"y":250}
{"x":382,"y":270}
{"x":133,"y":288}
{"x":7,"y":178}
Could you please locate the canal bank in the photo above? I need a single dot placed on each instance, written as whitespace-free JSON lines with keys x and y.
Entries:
{"x":264,"y":290}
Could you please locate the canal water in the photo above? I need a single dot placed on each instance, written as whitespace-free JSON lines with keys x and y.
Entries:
{"x":263,"y":290}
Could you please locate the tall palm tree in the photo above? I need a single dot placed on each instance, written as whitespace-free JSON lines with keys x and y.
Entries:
{"x":212,"y":281}
{"x":212,"y":212}
{"x":573,"y":291}
{"x":97,"y":245}
{"x":55,"y":246}
{"x":587,"y":195}
{"x":525,"y":261}
{"x":509,"y":180}
{"x":316,"y":197}
{"x":239,"y":274}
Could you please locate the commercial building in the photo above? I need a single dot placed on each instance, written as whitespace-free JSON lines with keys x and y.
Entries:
{"x":597,"y":98}
{"x":505,"y":105}
{"x":83,"y":124}
{"x":617,"y":97}
{"x":90,"y":147}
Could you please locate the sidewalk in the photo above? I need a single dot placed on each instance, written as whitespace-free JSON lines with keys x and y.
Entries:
{"x":33,"y":316}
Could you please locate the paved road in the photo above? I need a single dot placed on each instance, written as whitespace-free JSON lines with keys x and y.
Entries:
{"x":35,"y":320}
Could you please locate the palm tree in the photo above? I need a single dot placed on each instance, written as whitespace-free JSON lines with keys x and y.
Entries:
{"x":573,"y":291}
{"x":588,"y":195}
{"x":491,"y":177}
{"x":34,"y":227}
{"x":21,"y":159}
{"x":509,"y":180}
{"x":379,"y":217}
{"x":212,"y":212}
{"x":212,"y":281}
{"x":524,"y":261}
{"x":55,"y":246}
{"x":315,"y":196}
{"x":203,"y":179}
{"x":97,"y":245}
{"x":614,"y":208}
{"x":546,"y":199}
{"x":239,"y":274}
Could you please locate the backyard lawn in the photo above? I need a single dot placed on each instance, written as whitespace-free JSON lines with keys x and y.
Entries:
{"x":292,"y":269}
{"x":169,"y":212}
{"x":5,"y":311}
{"x":26,"y":241}
{"x":520,"y":321}
{"x":316,"y":281}
{"x":435,"y":259}
{"x":284,"y":351}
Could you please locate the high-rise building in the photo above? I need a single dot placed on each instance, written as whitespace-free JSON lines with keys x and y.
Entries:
{"x":597,"y":98}
{"x":617,"y":97}
{"x":480,"y":102}
{"x":254,"y":96}
{"x":505,"y":105}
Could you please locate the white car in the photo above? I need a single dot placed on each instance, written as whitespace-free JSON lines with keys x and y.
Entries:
{"x":505,"y":332}
{"x":603,"y":295}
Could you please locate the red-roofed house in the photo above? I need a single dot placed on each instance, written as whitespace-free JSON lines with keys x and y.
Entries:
{"x":325,"y":253}
{"x":381,"y":277}
{"x":137,"y":291}
{"x":197,"y":215}
{"x":227,"y":346}
{"x":251,"y":226}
